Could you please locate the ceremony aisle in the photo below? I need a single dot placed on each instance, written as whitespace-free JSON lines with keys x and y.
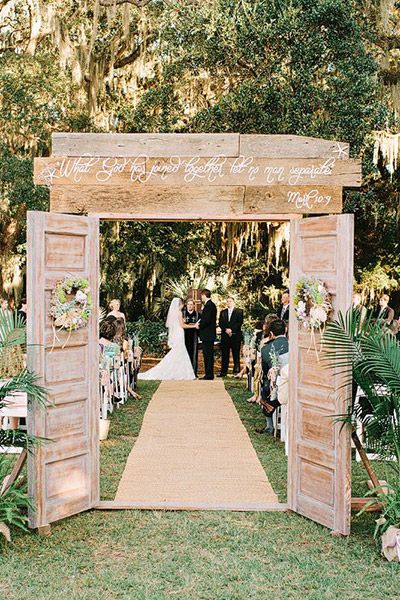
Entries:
{"x":193,"y":452}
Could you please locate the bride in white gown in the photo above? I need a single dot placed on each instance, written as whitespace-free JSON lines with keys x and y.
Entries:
{"x":176,"y":364}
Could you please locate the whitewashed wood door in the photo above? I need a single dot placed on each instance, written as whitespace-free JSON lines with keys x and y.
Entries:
{"x":63,"y":473}
{"x":319,"y":484}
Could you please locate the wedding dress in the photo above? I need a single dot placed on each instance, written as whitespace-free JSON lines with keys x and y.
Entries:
{"x":175,"y":365}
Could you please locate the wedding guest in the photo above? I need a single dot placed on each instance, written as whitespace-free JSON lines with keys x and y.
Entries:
{"x":4,"y":307}
{"x":207,"y":327}
{"x":265,"y":339}
{"x":358,"y":307}
{"x":283,"y":308}
{"x":22,"y":312}
{"x":384,"y":313}
{"x":273,"y":356}
{"x":121,"y":338}
{"x":190,"y":317}
{"x":230,"y":322}
{"x":115,"y":311}
{"x":107,"y":334}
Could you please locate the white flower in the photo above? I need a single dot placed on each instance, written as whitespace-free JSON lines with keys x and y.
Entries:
{"x":317,"y":313}
{"x":80,"y":297}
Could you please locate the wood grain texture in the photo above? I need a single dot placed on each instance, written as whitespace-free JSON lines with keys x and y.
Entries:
{"x":301,"y":199}
{"x":191,"y":201}
{"x":319,"y":451}
{"x":63,"y":475}
{"x":292,"y":146}
{"x":254,"y":507}
{"x":148,"y":144}
{"x":181,"y":203}
{"x":197,"y":171}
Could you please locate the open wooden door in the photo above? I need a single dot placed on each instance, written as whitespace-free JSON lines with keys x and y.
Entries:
{"x":319,"y":484}
{"x":63,"y":473}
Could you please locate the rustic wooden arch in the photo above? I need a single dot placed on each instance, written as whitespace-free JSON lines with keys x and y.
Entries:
{"x":164,"y":177}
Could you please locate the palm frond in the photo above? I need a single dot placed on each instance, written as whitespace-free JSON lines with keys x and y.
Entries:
{"x":27,"y":382}
{"x":12,"y":330}
{"x":20,"y":439}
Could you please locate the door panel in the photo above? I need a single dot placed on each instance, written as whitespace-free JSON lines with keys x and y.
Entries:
{"x":63,"y":472}
{"x":319,"y":451}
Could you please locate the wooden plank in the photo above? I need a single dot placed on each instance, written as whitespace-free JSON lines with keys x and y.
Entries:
{"x":301,"y":199}
{"x":197,"y":171}
{"x":185,"y":203}
{"x":191,"y":201}
{"x":147,"y":144}
{"x":179,"y":217}
{"x":292,"y":146}
{"x":15,"y":471}
{"x":372,"y":505}
{"x":63,"y":474}
{"x":319,"y":449}
{"x":118,"y":505}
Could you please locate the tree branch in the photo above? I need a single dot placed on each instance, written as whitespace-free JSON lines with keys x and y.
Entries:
{"x":130,"y":58}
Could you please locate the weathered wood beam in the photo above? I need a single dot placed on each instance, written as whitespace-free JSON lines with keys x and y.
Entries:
{"x":192,"y":203}
{"x":292,"y":146}
{"x":197,"y":171}
{"x":148,"y":144}
{"x":301,"y":199}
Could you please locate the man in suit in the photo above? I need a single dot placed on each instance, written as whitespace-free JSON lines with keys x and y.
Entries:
{"x":190,"y":317}
{"x":283,"y":308}
{"x":207,"y":327}
{"x":384,"y":313}
{"x":276,"y":351}
{"x":230,"y":322}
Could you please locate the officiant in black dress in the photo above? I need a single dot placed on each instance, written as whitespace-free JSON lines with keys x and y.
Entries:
{"x":190,"y":317}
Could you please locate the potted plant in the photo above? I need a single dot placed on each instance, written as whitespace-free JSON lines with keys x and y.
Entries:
{"x":370,"y":355}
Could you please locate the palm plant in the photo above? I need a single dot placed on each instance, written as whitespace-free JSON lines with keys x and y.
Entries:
{"x":14,"y":377}
{"x":367,"y":354}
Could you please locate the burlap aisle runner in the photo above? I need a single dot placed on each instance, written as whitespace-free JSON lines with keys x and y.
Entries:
{"x":193,"y":452}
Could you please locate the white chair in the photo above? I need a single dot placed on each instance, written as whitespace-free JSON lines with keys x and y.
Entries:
{"x":16,"y":408}
{"x":381,"y":390}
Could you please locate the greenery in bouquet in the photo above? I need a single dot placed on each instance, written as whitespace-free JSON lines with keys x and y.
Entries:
{"x":313,"y":304}
{"x":71,"y":304}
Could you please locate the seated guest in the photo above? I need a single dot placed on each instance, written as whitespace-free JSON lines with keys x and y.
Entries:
{"x":107,"y":333}
{"x":22,"y":311}
{"x":274,"y":355}
{"x":115,"y":306}
{"x":384,"y":313}
{"x":121,"y":338}
{"x":266,"y":337}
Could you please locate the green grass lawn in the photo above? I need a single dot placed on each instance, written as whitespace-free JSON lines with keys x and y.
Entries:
{"x":148,"y":555}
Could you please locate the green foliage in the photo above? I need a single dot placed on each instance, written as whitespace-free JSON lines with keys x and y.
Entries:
{"x":368,"y":353}
{"x":149,"y":335}
{"x":14,"y":501}
{"x":390,"y":515}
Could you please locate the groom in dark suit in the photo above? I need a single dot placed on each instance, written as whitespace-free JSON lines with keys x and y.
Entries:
{"x":207,"y":327}
{"x":230,"y":322}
